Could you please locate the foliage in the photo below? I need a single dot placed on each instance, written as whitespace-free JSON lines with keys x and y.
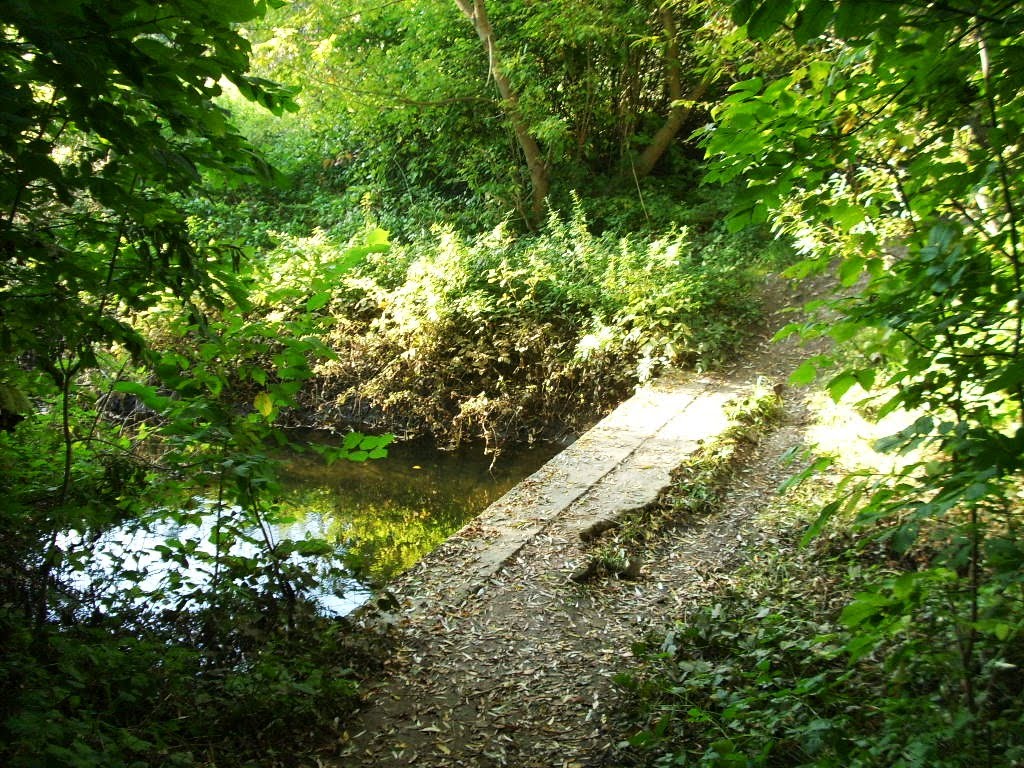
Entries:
{"x":127,"y":344}
{"x":510,"y":339}
{"x":209,"y":577}
{"x":99,"y":128}
{"x":101,"y":694}
{"x":758,"y":675}
{"x":894,"y":152}
{"x":310,"y":191}
{"x":404,"y":104}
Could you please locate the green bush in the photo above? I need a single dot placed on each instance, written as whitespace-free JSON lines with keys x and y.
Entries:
{"x":100,"y":695}
{"x":509,"y":338}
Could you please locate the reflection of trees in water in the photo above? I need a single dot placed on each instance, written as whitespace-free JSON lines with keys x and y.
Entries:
{"x":381,"y":536}
{"x":389,"y":514}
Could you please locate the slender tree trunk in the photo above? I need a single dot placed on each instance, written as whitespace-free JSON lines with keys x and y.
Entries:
{"x":476,"y":12}
{"x":679,"y":113}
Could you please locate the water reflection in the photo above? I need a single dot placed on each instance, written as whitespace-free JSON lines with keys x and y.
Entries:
{"x":383,"y":516}
{"x":386,"y":515}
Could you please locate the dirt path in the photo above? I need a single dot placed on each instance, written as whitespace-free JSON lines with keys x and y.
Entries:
{"x":518,"y":671}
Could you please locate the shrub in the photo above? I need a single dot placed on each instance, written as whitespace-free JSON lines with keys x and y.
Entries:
{"x":508,"y":339}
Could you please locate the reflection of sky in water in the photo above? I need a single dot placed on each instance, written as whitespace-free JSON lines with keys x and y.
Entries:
{"x":128,"y":563}
{"x":383,"y":515}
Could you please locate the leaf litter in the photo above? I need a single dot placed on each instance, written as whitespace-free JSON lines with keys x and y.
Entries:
{"x":519,"y":672}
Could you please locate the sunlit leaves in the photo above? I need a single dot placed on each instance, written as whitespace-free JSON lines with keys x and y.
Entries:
{"x":402,"y":96}
{"x":264,"y":403}
{"x":812,"y":20}
{"x":893,"y":164}
{"x":767,"y":17}
{"x":104,"y":124}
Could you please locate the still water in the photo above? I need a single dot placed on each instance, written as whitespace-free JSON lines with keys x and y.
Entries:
{"x":382,"y":516}
{"x":385,"y":515}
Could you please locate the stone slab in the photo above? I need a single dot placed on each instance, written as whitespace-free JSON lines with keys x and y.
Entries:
{"x":622,"y":464}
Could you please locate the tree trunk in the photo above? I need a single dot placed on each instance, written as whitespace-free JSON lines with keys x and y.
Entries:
{"x":679,"y":112}
{"x":475,"y":11}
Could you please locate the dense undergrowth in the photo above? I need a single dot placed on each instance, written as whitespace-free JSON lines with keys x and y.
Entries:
{"x":162,"y":317}
{"x":772,"y":669}
{"x":217,"y":687}
{"x":203,"y":648}
{"x":474,"y":331}
{"x":842,"y":649}
{"x":146,"y":620}
{"x":505,"y":339}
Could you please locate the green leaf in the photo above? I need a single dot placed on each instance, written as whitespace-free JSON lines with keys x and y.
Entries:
{"x":768,"y":18}
{"x":264,"y":404}
{"x":866,"y":606}
{"x":850,"y":270}
{"x":317,"y":301}
{"x":844,"y":331}
{"x":369,"y":442}
{"x":812,"y":20}
{"x":747,"y":88}
{"x":866,"y":378}
{"x":840,"y":385}
{"x":904,"y":585}
{"x":1008,"y":378}
{"x":237,"y":10}
{"x":741,"y":10}
{"x":855,"y":18}
{"x":805,"y":373}
{"x":827,"y":513}
{"x":147,"y":394}
{"x":847,"y":215}
{"x":790,"y":329}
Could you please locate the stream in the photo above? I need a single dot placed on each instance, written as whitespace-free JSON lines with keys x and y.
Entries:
{"x":386,"y":515}
{"x":382,"y":516}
